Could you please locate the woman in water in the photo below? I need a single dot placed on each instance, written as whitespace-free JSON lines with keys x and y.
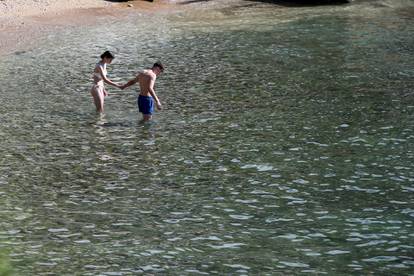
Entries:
{"x":99,"y":77}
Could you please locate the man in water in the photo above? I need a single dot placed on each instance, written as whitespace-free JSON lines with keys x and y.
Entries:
{"x":147,"y":96}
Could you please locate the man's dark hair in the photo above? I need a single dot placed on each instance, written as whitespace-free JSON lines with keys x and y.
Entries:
{"x":107,"y":54}
{"x":159,"y":65}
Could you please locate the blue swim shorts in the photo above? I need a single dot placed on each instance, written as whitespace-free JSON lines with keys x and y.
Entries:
{"x":145,"y":104}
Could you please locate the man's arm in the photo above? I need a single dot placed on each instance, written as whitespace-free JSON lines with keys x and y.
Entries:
{"x":129,"y":83}
{"x":152,"y":92}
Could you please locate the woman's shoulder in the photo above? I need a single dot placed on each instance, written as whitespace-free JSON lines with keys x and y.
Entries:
{"x":100,"y":67}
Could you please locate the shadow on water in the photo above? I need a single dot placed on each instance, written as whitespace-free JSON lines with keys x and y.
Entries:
{"x":117,"y":124}
{"x":102,"y":121}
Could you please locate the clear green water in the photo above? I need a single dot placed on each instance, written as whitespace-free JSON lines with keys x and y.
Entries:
{"x":285,"y":147}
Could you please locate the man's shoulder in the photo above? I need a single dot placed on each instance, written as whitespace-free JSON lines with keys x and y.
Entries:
{"x":148,"y":73}
{"x":141,"y":73}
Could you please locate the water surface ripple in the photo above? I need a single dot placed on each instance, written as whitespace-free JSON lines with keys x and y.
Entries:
{"x":285,"y":147}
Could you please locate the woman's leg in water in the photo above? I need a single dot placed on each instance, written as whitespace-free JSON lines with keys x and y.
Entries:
{"x":98,"y":98}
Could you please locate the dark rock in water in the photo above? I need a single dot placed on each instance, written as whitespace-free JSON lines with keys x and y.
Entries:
{"x":18,"y":53}
{"x":319,"y":2}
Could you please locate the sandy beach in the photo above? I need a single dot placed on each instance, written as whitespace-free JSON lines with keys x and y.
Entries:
{"x":24,"y":21}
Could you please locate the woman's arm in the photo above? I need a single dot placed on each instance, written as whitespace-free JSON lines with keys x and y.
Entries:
{"x":106,"y":80}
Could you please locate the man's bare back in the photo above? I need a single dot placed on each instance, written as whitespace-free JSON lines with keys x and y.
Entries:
{"x":147,"y":97}
{"x":146,"y":80}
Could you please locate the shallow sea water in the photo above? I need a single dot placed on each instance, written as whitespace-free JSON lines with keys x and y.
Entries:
{"x":284,"y":146}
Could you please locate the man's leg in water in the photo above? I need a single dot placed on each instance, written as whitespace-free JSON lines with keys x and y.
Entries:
{"x":146,"y":117}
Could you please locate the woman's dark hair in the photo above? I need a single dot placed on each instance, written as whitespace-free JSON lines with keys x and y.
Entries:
{"x":159,"y":65}
{"x":107,"y":54}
